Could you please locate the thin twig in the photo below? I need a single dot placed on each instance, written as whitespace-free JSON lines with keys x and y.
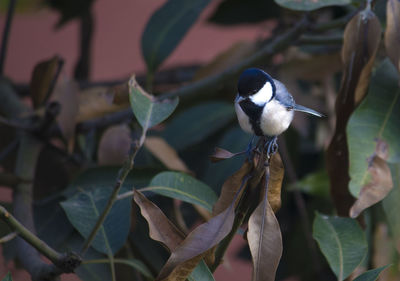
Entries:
{"x":6,"y":33}
{"x":320,"y":40}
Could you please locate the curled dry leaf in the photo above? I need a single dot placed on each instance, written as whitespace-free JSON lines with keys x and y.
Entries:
{"x":361,"y":41}
{"x":277,"y":172}
{"x":392,"y":32}
{"x":380,"y":182}
{"x":265,"y":242}
{"x":114,"y":145}
{"x":160,"y":227}
{"x":166,"y":154}
{"x":222,"y":154}
{"x":42,"y":78}
{"x":196,"y":245}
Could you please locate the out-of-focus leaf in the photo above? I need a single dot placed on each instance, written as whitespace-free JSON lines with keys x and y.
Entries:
{"x":379,"y":183}
{"x":231,"y":12}
{"x":166,"y":154}
{"x":391,"y":205}
{"x":41,"y":81}
{"x":265,"y":241}
{"x":201,"y":273}
{"x":371,"y":275}
{"x":222,"y":154}
{"x":227,"y":58}
{"x":310,"y":5}
{"x":189,"y":253}
{"x":197,"y":123}
{"x":167,"y":27}
{"x":217,"y":173}
{"x":183,"y":187}
{"x":96,"y":102}
{"x":114,"y":145}
{"x":315,"y":184}
{"x":160,"y":227}
{"x":84,"y":209}
{"x":69,"y":9}
{"x":392,"y":32}
{"x":147,"y":109}
{"x":277,"y":171}
{"x":342,"y":242}
{"x":7,"y":277}
{"x":376,"y":120}
{"x":66,"y":94}
{"x":361,"y":41}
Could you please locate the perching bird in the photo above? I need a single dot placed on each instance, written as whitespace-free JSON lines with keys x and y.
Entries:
{"x":263,"y":105}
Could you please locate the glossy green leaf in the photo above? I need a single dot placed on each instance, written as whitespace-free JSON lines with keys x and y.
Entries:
{"x":148,"y":110}
{"x":183,"y":187}
{"x":201,"y":273}
{"x":377,"y":118}
{"x":167,"y":27}
{"x":7,"y":277}
{"x":197,"y":123}
{"x":310,"y":5}
{"x":83,"y":210}
{"x":391,"y":204}
{"x":371,"y":275}
{"x":315,"y":184}
{"x":342,"y":242}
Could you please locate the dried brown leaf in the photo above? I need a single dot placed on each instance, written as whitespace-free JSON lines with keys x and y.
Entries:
{"x":166,"y":154}
{"x":231,"y":187}
{"x":379,"y":184}
{"x":392,"y":32}
{"x":114,"y":145}
{"x":265,"y":242}
{"x":361,"y":41}
{"x":41,"y":81}
{"x":160,"y":227}
{"x":277,"y":172}
{"x":196,"y":245}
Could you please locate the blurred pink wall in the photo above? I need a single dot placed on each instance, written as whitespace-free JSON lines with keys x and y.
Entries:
{"x":116,"y":42}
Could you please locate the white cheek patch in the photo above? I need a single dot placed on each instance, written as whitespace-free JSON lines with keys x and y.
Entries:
{"x":263,"y":95}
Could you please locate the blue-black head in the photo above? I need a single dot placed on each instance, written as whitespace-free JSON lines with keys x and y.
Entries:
{"x":253,"y":80}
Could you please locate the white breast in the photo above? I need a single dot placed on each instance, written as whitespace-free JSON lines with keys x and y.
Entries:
{"x":243,"y":119}
{"x":275,"y":118}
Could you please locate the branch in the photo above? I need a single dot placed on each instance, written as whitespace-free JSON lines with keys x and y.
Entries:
{"x":320,"y":40}
{"x":6,"y":33}
{"x":212,"y":84}
{"x":82,"y":69}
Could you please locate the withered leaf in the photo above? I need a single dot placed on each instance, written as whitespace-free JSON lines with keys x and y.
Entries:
{"x":380,"y":182}
{"x":392,"y":32}
{"x":42,"y":80}
{"x":277,"y":172}
{"x":196,"y":244}
{"x":265,"y":242}
{"x":160,"y":227}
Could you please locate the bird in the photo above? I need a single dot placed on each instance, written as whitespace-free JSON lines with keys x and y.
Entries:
{"x":263,"y":105}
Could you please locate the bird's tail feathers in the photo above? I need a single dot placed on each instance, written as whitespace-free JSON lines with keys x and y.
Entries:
{"x":307,"y":110}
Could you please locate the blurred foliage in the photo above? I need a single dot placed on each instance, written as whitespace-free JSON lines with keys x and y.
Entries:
{"x":348,"y":163}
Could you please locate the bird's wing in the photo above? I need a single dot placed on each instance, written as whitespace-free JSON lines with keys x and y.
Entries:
{"x":283,"y":95}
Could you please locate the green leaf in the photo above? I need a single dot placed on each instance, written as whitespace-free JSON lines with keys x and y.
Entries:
{"x":377,"y":118}
{"x":167,"y":27}
{"x":84,"y":209}
{"x":205,"y":120}
{"x":391,"y":204}
{"x":371,"y":275}
{"x":315,"y":184}
{"x":183,"y":187}
{"x":147,"y":109}
{"x":7,"y":277}
{"x":342,"y":242}
{"x":201,"y":273}
{"x":309,"y":5}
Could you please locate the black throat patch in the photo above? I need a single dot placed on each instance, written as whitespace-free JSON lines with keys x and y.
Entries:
{"x":254,"y":112}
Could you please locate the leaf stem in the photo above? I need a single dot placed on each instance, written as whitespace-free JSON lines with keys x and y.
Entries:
{"x":6,"y":33}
